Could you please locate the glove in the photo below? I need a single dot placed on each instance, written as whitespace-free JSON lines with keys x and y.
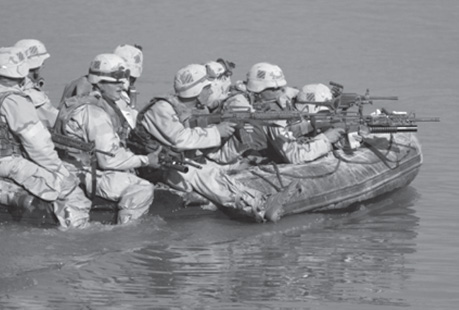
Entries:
{"x":226,"y":129}
{"x":153,"y":158}
{"x":334,"y":134}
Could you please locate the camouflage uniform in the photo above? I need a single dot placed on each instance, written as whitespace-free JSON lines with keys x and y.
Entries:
{"x":36,"y":166}
{"x":46,"y":112}
{"x":96,"y":120}
{"x":284,"y":142}
{"x":166,"y":122}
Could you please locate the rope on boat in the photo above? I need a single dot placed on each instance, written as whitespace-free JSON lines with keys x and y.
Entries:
{"x":278,"y":175}
{"x":383,"y":157}
{"x":267,"y":181}
{"x":293,"y":176}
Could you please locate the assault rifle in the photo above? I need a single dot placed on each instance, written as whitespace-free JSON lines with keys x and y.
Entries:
{"x":241,"y":117}
{"x":173,"y":160}
{"x":374,"y":123}
{"x":166,"y":157}
{"x":379,"y":123}
{"x":66,"y":144}
{"x":356,"y":123}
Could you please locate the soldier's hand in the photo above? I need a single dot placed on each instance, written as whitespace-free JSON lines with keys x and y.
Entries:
{"x":226,"y":129}
{"x":153,"y":158}
{"x":334,"y":134}
{"x":363,"y":132}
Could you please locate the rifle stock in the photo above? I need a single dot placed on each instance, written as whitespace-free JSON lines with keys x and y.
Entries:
{"x":68,"y":142}
{"x":64,"y":142}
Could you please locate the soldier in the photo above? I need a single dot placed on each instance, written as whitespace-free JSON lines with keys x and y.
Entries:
{"x":266,"y":89}
{"x":164,"y":122}
{"x":36,"y":55}
{"x":27,"y":155}
{"x":96,"y":118}
{"x":133,"y":57}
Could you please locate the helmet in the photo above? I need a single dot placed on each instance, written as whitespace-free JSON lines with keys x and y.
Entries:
{"x":264,"y":75}
{"x":190,"y":80}
{"x":315,"y":93}
{"x":13,"y":62}
{"x":133,"y":57}
{"x":35,"y":52}
{"x":108,"y":67}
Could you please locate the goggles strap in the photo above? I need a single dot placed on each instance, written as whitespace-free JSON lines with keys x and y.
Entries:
{"x":205,"y":77}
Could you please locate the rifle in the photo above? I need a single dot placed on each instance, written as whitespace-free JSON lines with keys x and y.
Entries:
{"x":343,"y":101}
{"x":67,"y":143}
{"x":377,"y":123}
{"x":64,"y":142}
{"x":166,"y":157}
{"x":373,"y":124}
{"x":380,"y":123}
{"x":173,"y":160}
{"x":241,"y":117}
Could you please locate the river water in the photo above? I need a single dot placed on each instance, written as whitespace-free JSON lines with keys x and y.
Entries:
{"x":400,"y":251}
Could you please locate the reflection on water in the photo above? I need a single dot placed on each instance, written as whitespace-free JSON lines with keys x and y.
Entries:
{"x":357,"y":258}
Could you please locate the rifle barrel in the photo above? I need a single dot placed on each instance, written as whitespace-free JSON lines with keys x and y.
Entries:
{"x":381,"y":97}
{"x":426,"y":119}
{"x":177,"y":167}
{"x":392,"y":129}
{"x":191,"y":163}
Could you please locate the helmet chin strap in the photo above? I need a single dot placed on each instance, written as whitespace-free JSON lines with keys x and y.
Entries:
{"x":10,"y":82}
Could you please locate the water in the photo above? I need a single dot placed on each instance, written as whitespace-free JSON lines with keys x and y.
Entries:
{"x":397,"y":252}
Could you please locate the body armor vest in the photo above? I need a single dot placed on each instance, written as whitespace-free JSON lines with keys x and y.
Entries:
{"x":9,"y":143}
{"x":142,"y":142}
{"x":71,"y":104}
{"x":119,"y":122}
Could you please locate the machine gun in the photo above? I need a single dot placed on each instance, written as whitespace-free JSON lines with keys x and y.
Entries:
{"x":343,"y":101}
{"x":65,"y":145}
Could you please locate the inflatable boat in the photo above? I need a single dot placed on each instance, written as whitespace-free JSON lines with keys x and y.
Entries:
{"x":383,"y":163}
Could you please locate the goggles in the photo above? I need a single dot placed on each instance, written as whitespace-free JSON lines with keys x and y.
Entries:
{"x":120,"y":74}
{"x":39,"y":55}
{"x":228,"y":65}
{"x":14,"y":62}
